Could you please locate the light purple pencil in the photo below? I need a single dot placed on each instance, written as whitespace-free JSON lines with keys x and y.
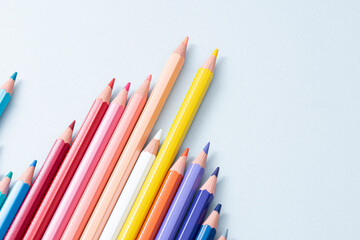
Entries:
{"x":179,"y":206}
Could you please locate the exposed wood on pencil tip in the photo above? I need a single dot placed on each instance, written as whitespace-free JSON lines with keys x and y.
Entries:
{"x":121,"y":98}
{"x":210,"y":184}
{"x":27,"y":176}
{"x":202,"y":157}
{"x":13,"y":77}
{"x":111,"y":83}
{"x":210,"y":62}
{"x":153,"y":145}
{"x":144,"y":87}
{"x":181,"y":49}
{"x":5,"y":183}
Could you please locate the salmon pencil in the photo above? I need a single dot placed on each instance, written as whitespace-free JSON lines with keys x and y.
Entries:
{"x":169,"y":149}
{"x":4,"y":188}
{"x":136,"y":142}
{"x":86,"y":167}
{"x":6,"y":91}
{"x":41,"y":184}
{"x":107,"y":162}
{"x":131,"y":189}
{"x":179,"y":206}
{"x":197,"y":211}
{"x":69,"y":165}
{"x":163,"y":199}
{"x":208,"y":228}
{"x":15,"y":199}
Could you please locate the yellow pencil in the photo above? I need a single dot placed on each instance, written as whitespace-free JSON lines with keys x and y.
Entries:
{"x":169,"y":149}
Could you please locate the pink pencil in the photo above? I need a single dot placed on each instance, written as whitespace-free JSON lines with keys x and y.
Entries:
{"x":87,"y":166}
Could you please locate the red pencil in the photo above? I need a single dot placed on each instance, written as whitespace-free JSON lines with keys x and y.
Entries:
{"x":68,"y":167}
{"x":40,"y":185}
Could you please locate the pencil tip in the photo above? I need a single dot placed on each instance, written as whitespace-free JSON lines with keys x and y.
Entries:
{"x":206,"y":148}
{"x":226,"y":233}
{"x":186,"y":40}
{"x":9,"y":175}
{"x":72,"y":125}
{"x":215,"y":53}
{"x":216,"y":172}
{"x":158,"y":135}
{"x":33,"y":164}
{"x":13,"y":77}
{"x":127,"y":86}
{"x":218,"y":208}
{"x":148,"y":78}
{"x":185,"y":153}
{"x":111,"y":83}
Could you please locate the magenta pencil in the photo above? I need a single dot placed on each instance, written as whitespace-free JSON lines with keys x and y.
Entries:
{"x":87,"y":166}
{"x":40,"y":185}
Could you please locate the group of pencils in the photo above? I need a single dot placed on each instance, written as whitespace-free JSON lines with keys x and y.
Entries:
{"x":107,"y":184}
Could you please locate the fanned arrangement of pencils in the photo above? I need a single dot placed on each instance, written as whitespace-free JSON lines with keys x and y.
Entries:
{"x":107,"y":184}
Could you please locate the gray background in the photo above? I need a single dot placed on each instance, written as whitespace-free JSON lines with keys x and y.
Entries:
{"x":282,"y":112}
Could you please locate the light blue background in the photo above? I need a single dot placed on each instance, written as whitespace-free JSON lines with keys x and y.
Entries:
{"x":282,"y":112}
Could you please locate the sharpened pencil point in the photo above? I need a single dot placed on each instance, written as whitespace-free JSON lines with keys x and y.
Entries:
{"x":206,"y":148}
{"x":72,"y":125}
{"x":185,"y":153}
{"x":9,"y":175}
{"x":225,"y":234}
{"x":127,"y":86}
{"x":149,"y":78}
{"x":111,"y":83}
{"x":215,"y":53}
{"x":33,"y":164}
{"x":158,"y":135}
{"x":216,"y":172}
{"x":186,"y":40}
{"x":218,"y":208}
{"x":13,"y":77}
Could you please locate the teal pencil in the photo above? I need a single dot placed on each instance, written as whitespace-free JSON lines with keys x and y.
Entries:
{"x":15,"y":199}
{"x":6,"y":92}
{"x":4,"y":188}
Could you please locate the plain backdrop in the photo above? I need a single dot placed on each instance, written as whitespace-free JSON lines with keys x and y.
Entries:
{"x":282,"y":112}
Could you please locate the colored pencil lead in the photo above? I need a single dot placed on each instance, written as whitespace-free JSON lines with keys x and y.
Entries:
{"x":33,"y":164}
{"x":206,"y":148}
{"x":216,"y":172}
{"x":111,"y":83}
{"x":13,"y":77}
{"x":127,"y":86}
{"x":218,"y":208}
{"x":185,"y":153}
{"x":215,"y":53}
{"x":9,"y":175}
{"x":72,"y":125}
{"x":181,"y":49}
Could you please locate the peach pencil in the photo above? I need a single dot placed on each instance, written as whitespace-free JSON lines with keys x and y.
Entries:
{"x":69,"y":165}
{"x":86,"y":167}
{"x":41,"y":184}
{"x":136,"y":142}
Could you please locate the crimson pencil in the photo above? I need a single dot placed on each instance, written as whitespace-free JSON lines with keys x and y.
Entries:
{"x":68,"y":167}
{"x":40,"y":185}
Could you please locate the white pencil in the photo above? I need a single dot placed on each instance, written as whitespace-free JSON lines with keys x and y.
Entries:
{"x":131,"y":189}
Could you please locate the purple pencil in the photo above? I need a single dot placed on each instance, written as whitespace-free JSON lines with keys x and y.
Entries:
{"x":198,"y":208}
{"x":179,"y":206}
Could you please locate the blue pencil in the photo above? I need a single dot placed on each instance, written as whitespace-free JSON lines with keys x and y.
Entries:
{"x":208,"y":228}
{"x":6,"y":92}
{"x":15,"y":199}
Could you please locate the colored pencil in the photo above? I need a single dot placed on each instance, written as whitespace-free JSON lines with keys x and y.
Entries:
{"x":208,"y":228}
{"x":15,"y":199}
{"x":163,"y":199}
{"x":4,"y":188}
{"x":224,"y":235}
{"x":86,"y":167}
{"x":131,"y":189}
{"x":106,"y":163}
{"x":69,"y":165}
{"x":197,"y":211}
{"x":41,"y":184}
{"x":136,"y":142}
{"x":6,"y":91}
{"x":179,"y":206}
{"x":169,"y":149}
